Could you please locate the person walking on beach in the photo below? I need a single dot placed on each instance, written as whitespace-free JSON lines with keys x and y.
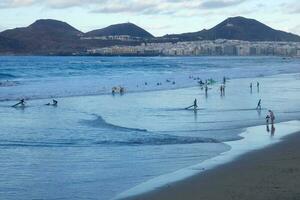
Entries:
{"x":258,"y":107}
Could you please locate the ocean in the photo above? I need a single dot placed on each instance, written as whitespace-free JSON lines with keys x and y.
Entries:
{"x":95,"y":145}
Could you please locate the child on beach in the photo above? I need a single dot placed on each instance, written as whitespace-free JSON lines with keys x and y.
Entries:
{"x":267,"y":123}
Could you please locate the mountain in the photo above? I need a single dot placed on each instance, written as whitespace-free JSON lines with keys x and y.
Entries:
{"x":120,"y":29}
{"x":239,"y":28}
{"x":44,"y":36}
{"x":10,"y":46}
{"x":52,"y":37}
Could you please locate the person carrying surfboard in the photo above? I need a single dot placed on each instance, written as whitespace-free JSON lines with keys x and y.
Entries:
{"x":21,"y":103}
{"x":194,"y":105}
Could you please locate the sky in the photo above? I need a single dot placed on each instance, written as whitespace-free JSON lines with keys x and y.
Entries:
{"x":159,"y":17}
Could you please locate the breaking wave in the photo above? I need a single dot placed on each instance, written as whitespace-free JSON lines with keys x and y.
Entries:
{"x":101,"y":123}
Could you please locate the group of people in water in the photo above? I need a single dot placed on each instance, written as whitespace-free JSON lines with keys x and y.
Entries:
{"x":257,"y":86}
{"x":270,"y":118}
{"x":120,"y":90}
{"x":22,"y":103}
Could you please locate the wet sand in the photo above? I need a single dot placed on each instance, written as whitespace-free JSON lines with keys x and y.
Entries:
{"x":268,"y":174}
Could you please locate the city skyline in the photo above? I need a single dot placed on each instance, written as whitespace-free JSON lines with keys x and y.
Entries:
{"x":159,"y":17}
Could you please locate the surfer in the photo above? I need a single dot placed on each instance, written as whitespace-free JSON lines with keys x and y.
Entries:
{"x":258,"y":107}
{"x":53,"y":104}
{"x":194,"y":105}
{"x":21,"y":103}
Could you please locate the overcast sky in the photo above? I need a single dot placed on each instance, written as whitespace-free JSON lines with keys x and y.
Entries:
{"x":159,"y":17}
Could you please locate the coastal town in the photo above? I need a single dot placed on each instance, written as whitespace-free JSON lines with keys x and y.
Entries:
{"x":219,"y":47}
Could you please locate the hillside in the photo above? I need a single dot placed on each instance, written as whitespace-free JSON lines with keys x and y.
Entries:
{"x":121,"y":29}
{"x":45,"y":36}
{"x":239,"y":28}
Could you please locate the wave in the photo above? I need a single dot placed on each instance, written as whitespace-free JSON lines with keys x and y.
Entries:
{"x":161,"y":140}
{"x":5,"y":76}
{"x":152,"y":140}
{"x":101,"y":123}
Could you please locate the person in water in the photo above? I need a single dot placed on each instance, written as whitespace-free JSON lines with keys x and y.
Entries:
{"x":53,"y":104}
{"x":195,"y":104}
{"x":21,"y":103}
{"x":258,"y":107}
{"x":206,"y":88}
{"x":272,"y":116}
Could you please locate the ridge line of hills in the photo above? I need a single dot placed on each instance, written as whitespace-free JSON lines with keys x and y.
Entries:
{"x":53,"y":37}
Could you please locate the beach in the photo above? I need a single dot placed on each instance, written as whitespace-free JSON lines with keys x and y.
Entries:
{"x":267,"y":174}
{"x":96,"y":145}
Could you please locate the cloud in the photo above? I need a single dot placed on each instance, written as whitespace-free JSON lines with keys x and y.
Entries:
{"x":295,"y":29}
{"x":215,"y":4}
{"x":145,"y":7}
{"x":16,"y":3}
{"x":291,"y":7}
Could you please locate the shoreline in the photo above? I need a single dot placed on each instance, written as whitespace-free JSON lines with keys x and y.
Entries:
{"x":177,"y":185}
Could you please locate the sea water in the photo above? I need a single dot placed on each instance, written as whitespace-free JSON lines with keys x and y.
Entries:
{"x":95,"y":145}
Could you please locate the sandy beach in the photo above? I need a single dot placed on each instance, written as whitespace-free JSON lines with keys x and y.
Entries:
{"x":270,"y":173}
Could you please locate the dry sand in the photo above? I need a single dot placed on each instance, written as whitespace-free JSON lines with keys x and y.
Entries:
{"x":272,"y":173}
